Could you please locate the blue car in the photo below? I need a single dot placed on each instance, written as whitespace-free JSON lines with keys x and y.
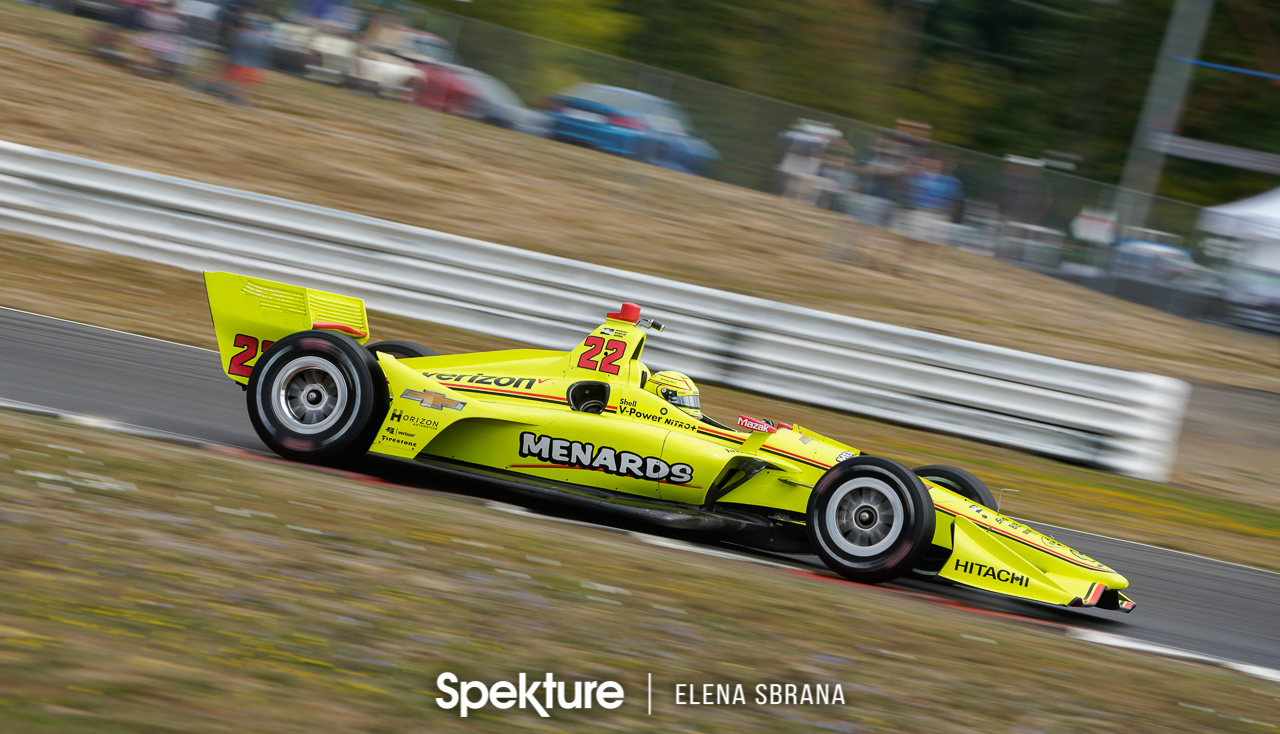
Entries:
{"x":630,"y":124}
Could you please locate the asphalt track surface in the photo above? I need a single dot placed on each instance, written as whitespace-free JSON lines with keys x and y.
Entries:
{"x":1187,"y":602}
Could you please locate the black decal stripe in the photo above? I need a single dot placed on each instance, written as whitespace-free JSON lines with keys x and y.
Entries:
{"x":722,"y":436}
{"x":793,"y":457}
{"x":1011,"y":536}
{"x":1094,"y":594}
{"x":739,"y":441}
{"x":599,"y":469}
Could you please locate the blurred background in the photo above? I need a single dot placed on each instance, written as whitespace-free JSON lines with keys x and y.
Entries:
{"x":1001,"y":128}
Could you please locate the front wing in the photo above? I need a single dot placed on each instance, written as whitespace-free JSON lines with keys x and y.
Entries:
{"x":994,"y":553}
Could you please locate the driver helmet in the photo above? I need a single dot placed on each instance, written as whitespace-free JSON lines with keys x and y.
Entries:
{"x":676,"y":388}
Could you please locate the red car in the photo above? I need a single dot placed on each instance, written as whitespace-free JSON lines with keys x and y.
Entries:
{"x":446,"y":87}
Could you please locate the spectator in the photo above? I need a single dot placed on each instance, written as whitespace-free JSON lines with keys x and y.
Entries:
{"x":230,"y":20}
{"x":199,"y":39}
{"x":885,"y":180}
{"x":161,"y":44}
{"x":110,"y":39}
{"x":836,"y":178}
{"x":936,"y":197}
{"x":804,"y":150}
{"x":129,"y":14}
{"x":248,"y":57}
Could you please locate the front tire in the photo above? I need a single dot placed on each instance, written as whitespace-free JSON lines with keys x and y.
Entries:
{"x":870,"y":519}
{"x":317,"y":397}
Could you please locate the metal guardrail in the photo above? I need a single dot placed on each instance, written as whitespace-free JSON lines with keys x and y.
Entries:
{"x":1125,"y":421}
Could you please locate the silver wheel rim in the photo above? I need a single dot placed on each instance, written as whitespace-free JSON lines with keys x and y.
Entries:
{"x":865,"y":516}
{"x":310,"y":393}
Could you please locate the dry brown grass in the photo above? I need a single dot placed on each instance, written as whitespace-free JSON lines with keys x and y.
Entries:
{"x":334,"y":148}
{"x":241,"y":595}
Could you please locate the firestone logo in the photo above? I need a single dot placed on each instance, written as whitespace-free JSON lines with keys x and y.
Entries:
{"x":539,"y":695}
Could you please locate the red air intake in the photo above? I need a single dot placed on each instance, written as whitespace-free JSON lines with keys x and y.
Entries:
{"x":630,"y":313}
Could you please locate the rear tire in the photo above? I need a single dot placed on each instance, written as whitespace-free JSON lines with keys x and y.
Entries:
{"x":401,"y":349}
{"x":870,"y":519}
{"x":317,"y":397}
{"x":959,"y":481}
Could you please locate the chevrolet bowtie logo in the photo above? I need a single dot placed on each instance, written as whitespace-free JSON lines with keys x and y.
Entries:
{"x":433,"y":399}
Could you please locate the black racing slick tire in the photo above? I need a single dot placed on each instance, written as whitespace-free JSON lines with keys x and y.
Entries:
{"x":317,"y":397}
{"x":401,"y":349}
{"x":870,"y":519}
{"x":959,"y":481}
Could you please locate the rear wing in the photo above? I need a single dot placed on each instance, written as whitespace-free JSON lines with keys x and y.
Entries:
{"x":251,"y":314}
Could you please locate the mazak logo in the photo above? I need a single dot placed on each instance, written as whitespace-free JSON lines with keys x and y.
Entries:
{"x":541,"y":695}
{"x":432,"y":399}
{"x":754,"y":424}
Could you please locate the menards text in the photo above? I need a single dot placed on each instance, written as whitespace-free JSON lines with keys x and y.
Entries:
{"x":604,"y":458}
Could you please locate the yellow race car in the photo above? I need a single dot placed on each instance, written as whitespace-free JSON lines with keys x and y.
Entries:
{"x":595,"y":427}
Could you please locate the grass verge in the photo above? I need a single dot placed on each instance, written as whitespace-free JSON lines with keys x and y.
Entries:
{"x":157,"y":588}
{"x":334,"y":148}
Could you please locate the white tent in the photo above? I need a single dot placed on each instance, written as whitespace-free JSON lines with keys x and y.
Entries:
{"x":1256,"y":221}
{"x":1255,"y":218}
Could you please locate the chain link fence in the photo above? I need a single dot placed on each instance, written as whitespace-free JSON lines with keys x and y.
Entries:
{"x":1021,"y":210}
{"x":881,"y":182}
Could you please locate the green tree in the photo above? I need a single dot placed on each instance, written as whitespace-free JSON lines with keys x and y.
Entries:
{"x":592,"y":24}
{"x":998,"y":76}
